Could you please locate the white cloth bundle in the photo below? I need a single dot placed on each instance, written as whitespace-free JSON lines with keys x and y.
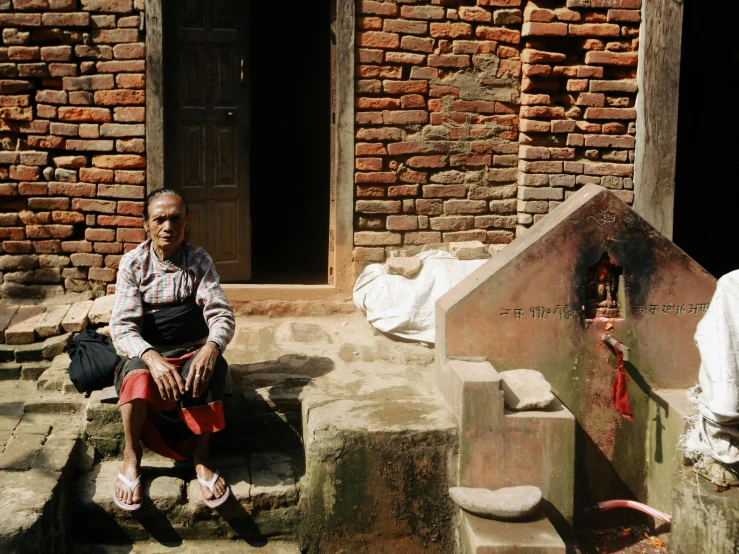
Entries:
{"x":405,"y":307}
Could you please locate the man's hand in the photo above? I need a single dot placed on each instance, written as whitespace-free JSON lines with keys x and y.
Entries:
{"x":165,"y":375}
{"x":201,"y":369}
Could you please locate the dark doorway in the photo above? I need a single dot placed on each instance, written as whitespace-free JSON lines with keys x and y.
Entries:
{"x":290,"y":131}
{"x":707,"y":181}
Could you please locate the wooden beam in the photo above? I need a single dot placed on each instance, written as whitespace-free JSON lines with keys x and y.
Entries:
{"x":154,"y":97}
{"x":656,"y":124}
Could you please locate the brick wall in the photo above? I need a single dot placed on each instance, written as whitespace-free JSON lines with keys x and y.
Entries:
{"x":72,"y":170}
{"x":475,"y":119}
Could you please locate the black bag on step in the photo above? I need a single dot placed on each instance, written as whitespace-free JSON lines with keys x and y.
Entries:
{"x":94,"y":361}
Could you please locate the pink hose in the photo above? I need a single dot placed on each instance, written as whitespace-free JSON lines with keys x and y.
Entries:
{"x":610,"y":504}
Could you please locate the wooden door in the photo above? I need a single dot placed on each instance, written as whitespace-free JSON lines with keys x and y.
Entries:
{"x":206,"y":150}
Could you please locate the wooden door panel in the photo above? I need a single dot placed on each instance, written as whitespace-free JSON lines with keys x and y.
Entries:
{"x":208,"y":158}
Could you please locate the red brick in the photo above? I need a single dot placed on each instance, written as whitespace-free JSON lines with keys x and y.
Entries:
{"x":535,"y":99}
{"x":449,"y":60}
{"x":404,"y":117}
{"x":135,"y":145}
{"x":122,"y":191}
{"x":24,"y":53}
{"x":130,"y":80}
{"x":24,"y":173}
{"x":473,"y":13}
{"x":119,"y":221}
{"x":129,"y":51}
{"x":417,"y":44}
{"x":618,"y":170}
{"x":69,"y":218}
{"x":119,"y":161}
{"x":412,"y":101}
{"x":369,"y":149}
{"x":33,"y":189}
{"x":375,"y":177}
{"x":97,"y":234}
{"x":402,"y":190}
{"x":104,"y":274}
{"x":474,"y":47}
{"x":368,"y":164}
{"x":130,"y":177}
{"x":543,"y":112}
{"x":595,"y":30}
{"x":624,"y":16}
{"x":80,"y":98}
{"x":366,"y":55}
{"x":109,"y":248}
{"x":48,"y":203}
{"x":130,"y":208}
{"x":112,"y":36}
{"x":377,"y":8}
{"x":541,"y":15}
{"x":94,"y":175}
{"x":56,"y":53}
{"x":90,"y":145}
{"x":94,"y":205}
{"x":12,"y":233}
{"x":72,"y":189}
{"x":130,"y":235}
{"x":405,"y":87}
{"x":369,"y":238}
{"x":544,"y":29}
{"x":577,"y":85}
{"x":612,"y":58}
{"x":378,"y":39}
{"x":591,"y":99}
{"x":610,"y":113}
{"x":410,"y":147}
{"x":49,"y":231}
{"x":426,"y":161}
{"x":470,"y":160}
{"x":81,"y":19}
{"x":369,"y":23}
{"x":80,"y":259}
{"x":89,"y":82}
{"x":68,"y":113}
{"x":370,"y":191}
{"x":499,"y":3}
{"x":16,"y":114}
{"x":129,"y":114}
{"x":500,"y":34}
{"x":408,"y":27}
{"x":635,"y":4}
{"x":47,"y":246}
{"x":371,"y":103}
{"x":422,"y":12}
{"x":444,"y":191}
{"x":402,"y":223}
{"x":451,"y":30}
{"x":12,"y":86}
{"x":89,"y":130}
{"x":119,"y":97}
{"x":17,"y":246}
{"x":125,"y":66}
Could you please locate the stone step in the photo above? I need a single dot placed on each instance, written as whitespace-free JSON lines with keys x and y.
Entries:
{"x":489,"y":536}
{"x":264,"y":502}
{"x":192,"y":547}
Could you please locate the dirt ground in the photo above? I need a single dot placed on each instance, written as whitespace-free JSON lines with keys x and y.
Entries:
{"x":636,"y":539}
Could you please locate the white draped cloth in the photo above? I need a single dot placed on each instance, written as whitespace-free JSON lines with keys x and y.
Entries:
{"x":716,"y":430}
{"x":403,"y":306}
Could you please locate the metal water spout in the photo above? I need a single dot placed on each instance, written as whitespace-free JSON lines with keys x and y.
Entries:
{"x":617,"y":345}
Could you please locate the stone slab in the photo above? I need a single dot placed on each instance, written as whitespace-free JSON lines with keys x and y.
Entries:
{"x":6,"y":315}
{"x":7,"y":353}
{"x":405,"y":266}
{"x":487,"y":536}
{"x":53,"y":346}
{"x":525,"y":389}
{"x":21,"y":452}
{"x":32,"y":371}
{"x":29,"y":352}
{"x":10,"y":370}
{"x":50,"y":323}
{"x":23,"y":325}
{"x":508,"y":503}
{"x":76,"y":318}
{"x":101,"y":310}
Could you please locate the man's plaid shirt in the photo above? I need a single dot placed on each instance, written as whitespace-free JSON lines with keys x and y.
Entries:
{"x":144,"y":279}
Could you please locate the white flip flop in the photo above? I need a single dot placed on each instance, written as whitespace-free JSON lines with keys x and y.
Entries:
{"x":131,"y":485}
{"x":214,"y":502}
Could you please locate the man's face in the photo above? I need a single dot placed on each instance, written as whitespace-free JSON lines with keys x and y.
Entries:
{"x":167,"y":223}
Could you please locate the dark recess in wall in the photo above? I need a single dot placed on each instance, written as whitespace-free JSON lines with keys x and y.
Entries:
{"x":707,"y":184}
{"x":290,"y":74}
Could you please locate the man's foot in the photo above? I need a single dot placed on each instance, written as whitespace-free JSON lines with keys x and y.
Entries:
{"x":131,"y":470}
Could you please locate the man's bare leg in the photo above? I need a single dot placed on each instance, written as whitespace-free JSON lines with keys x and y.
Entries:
{"x":204,"y":467}
{"x":134,"y":416}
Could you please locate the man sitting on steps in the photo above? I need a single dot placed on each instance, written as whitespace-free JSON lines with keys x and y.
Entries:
{"x":172,"y":321}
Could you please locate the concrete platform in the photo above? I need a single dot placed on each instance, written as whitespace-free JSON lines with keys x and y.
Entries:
{"x":488,"y":536}
{"x":263,"y":503}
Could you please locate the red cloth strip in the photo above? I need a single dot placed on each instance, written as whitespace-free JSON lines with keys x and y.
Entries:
{"x":620,"y":395}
